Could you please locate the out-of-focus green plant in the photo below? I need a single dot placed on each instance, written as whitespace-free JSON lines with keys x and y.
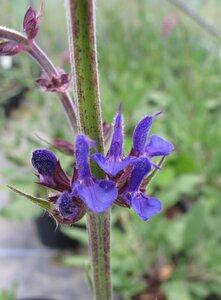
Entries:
{"x":9,"y":294}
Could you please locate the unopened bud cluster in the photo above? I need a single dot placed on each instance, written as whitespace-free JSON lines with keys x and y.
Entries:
{"x":58,"y":82}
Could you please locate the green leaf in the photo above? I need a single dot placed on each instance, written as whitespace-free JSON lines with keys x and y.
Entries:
{"x":199,"y":289}
{"x":185,"y":164}
{"x":39,"y":201}
{"x":175,"y":234}
{"x":177,"y":289}
{"x":195,"y":225}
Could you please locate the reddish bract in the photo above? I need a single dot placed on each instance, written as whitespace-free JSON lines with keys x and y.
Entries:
{"x":31,"y":22}
{"x":9,"y":48}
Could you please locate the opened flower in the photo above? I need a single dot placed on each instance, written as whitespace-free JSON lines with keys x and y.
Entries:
{"x":115,"y":161}
{"x":155,"y":146}
{"x":144,"y":206}
{"x":97,"y":194}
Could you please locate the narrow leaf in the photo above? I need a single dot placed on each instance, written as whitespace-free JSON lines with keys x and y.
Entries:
{"x":39,"y":201}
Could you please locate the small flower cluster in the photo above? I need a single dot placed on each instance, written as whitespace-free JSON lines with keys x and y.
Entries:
{"x":57,"y":83}
{"x":30,"y":26}
{"x":127,"y":174}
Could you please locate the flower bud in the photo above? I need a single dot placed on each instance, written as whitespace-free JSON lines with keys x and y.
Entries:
{"x":57,"y":83}
{"x":8,"y":48}
{"x":50,"y":171}
{"x":69,"y":208}
{"x":31,"y":22}
{"x":44,"y":161}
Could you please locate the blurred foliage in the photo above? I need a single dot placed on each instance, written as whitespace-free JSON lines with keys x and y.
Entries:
{"x":9,"y":294}
{"x":179,"y":75}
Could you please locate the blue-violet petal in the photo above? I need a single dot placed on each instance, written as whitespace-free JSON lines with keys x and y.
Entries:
{"x":82,"y":150}
{"x":140,"y":135}
{"x":98,"y":195}
{"x":141,"y":168}
{"x":112,"y":168}
{"x":116,"y":147}
{"x":144,"y":206}
{"x":158,"y":146}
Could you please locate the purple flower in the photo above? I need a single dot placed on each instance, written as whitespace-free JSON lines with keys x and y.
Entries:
{"x":144,"y":206}
{"x":70,"y":208}
{"x":156,"y":146}
{"x":85,"y":190}
{"x":50,"y":171}
{"x":114,"y":162}
{"x":97,"y":194}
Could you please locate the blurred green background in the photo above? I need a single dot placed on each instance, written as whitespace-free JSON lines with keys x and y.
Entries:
{"x":176,"y":254}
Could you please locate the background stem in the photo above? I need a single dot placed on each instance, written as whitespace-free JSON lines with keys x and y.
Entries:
{"x":206,"y":25}
{"x":82,"y":42}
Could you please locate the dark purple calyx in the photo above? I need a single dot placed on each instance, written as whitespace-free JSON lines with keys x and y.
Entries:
{"x":64,"y":146}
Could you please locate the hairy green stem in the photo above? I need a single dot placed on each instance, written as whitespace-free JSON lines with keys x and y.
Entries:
{"x":46,"y":65}
{"x":82,"y":42}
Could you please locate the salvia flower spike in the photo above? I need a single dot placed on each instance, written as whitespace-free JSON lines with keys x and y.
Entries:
{"x":129,"y":174}
{"x":144,"y":206}
{"x":114,"y":162}
{"x":98,"y":195}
